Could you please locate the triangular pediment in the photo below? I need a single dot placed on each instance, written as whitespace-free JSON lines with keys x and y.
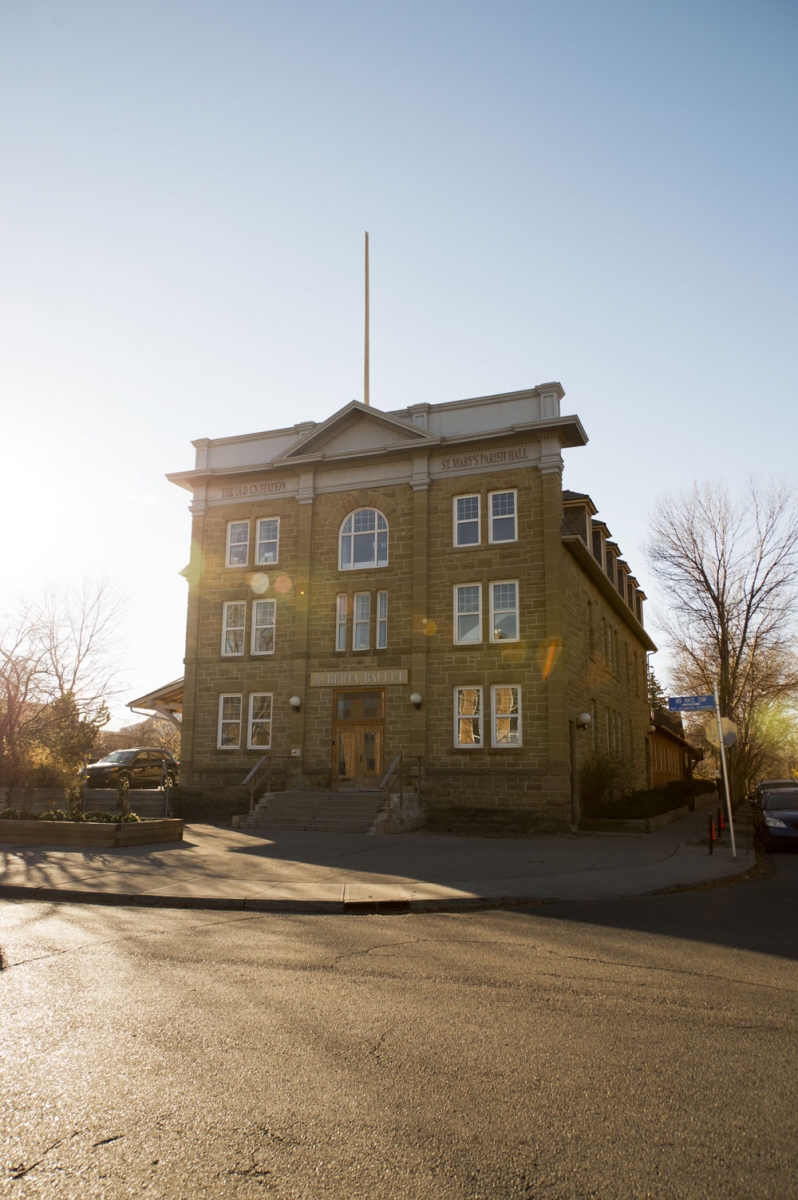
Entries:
{"x":356,"y":429}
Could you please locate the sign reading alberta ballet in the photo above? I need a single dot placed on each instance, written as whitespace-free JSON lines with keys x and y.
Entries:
{"x":355,"y":678}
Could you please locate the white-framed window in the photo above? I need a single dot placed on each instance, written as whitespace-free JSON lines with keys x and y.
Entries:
{"x":468,"y":717}
{"x":361,"y":621}
{"x":467,"y":613}
{"x":237,"y":543}
{"x":267,"y":548}
{"x":234,"y":617}
{"x":363,"y":540}
{"x":505,"y":703}
{"x":504,"y":611}
{"x":341,"y":606}
{"x":502,"y":517}
{"x":229,"y":732}
{"x":264,"y":620}
{"x":259,"y":729}
{"x":466,"y":520}
{"x":382,"y":620}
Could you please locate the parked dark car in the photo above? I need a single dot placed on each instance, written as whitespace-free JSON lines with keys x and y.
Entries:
{"x":141,"y":767}
{"x":775,"y":810}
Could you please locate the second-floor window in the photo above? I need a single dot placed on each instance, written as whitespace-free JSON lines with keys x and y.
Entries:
{"x":504,"y":612}
{"x":468,"y":613}
{"x":234,"y":617}
{"x":263,"y":621}
{"x":268,"y":541}
{"x":363,"y":541}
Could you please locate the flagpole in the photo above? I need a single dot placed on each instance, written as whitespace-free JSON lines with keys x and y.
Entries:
{"x":366,"y":399}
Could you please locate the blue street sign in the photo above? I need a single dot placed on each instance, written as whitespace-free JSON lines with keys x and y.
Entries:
{"x":690,"y":703}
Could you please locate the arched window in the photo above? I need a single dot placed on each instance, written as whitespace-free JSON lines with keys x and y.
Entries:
{"x":363,"y":540}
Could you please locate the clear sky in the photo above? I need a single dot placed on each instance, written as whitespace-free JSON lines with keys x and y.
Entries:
{"x":599,"y":193}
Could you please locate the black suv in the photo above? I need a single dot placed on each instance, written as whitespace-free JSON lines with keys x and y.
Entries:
{"x":142,"y":767}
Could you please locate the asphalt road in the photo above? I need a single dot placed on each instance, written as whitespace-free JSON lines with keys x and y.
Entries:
{"x":616,"y":1049}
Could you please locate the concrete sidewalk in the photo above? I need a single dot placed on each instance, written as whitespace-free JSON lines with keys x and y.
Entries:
{"x":316,"y":872}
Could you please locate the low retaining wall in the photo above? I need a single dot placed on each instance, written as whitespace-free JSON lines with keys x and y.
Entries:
{"x":403,"y":813}
{"x":643,"y":825}
{"x":90,"y":833}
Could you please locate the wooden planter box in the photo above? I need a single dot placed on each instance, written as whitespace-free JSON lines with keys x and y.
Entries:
{"x":644,"y":825}
{"x":80,"y":833}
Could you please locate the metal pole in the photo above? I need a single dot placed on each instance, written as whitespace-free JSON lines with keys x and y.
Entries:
{"x":725,"y":773}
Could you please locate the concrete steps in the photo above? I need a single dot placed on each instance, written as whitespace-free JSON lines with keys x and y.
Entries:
{"x":317,"y":811}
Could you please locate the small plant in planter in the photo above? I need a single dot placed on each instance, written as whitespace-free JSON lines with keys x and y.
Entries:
{"x":73,"y":794}
{"x":28,"y":789}
{"x":123,"y":797}
{"x":10,"y":814}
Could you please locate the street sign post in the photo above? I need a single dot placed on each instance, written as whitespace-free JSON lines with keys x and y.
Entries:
{"x":722,"y":747}
{"x":690,"y":703}
{"x":701,"y":704}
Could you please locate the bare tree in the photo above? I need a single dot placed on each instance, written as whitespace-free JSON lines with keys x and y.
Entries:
{"x":58,"y":669}
{"x":76,"y":633}
{"x":156,"y":732}
{"x":731,"y":574}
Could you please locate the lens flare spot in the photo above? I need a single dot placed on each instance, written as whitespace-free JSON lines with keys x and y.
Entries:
{"x":430,"y":627}
{"x":259,"y":583}
{"x":548,"y":655}
{"x":513,"y":654}
{"x":282,"y":585}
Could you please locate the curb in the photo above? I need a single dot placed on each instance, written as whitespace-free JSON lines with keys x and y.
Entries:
{"x":242,"y":904}
{"x":337,"y":907}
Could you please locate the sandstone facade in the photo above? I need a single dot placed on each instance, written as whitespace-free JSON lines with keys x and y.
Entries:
{"x":559,"y":633}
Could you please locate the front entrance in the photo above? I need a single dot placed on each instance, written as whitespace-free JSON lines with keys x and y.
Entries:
{"x":358,"y":739}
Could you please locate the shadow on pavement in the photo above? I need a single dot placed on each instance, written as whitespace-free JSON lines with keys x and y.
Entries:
{"x":759,"y":916}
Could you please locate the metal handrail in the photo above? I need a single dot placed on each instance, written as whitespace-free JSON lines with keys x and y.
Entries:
{"x":391,"y":773}
{"x":251,"y":777}
{"x":396,"y":772}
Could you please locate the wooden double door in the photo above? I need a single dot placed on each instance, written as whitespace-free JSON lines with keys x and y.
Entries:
{"x":359,"y":728}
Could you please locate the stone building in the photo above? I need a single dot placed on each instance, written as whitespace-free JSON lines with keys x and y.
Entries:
{"x":411,"y":583}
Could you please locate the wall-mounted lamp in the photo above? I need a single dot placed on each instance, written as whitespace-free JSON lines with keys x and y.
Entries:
{"x":652,"y":729}
{"x":296,"y":703}
{"x":584,"y":721}
{"x":415,"y":699}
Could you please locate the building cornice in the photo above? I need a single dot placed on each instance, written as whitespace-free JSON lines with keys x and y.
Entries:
{"x":577,"y":548}
{"x":568,"y":431}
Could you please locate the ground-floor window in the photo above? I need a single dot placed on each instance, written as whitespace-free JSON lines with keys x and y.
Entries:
{"x":229,"y":737}
{"x":260,"y":721}
{"x":505,"y":715}
{"x":468,"y":716}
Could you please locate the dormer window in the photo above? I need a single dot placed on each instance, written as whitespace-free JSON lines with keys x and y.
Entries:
{"x":363,"y":541}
